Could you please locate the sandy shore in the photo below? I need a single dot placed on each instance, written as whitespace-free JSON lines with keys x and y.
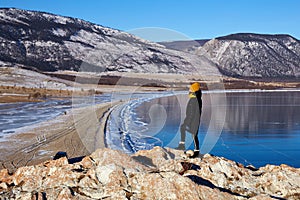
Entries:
{"x":79,"y":132}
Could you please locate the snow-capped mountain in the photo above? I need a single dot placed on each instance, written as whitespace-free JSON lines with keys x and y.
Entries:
{"x":50,"y":42}
{"x":255,"y":55}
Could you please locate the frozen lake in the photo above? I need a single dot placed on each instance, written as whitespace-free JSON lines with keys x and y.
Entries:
{"x":255,"y":128}
{"x":15,"y":116}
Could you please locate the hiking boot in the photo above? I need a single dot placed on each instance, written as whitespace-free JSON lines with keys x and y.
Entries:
{"x":181,"y":146}
{"x":196,"y":153}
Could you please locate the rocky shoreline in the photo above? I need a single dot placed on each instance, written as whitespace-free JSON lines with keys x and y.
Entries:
{"x":160,"y":173}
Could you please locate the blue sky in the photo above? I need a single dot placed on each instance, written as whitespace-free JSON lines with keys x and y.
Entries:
{"x":174,"y":19}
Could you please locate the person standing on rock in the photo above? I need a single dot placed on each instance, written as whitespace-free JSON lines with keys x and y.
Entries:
{"x":192,"y":120}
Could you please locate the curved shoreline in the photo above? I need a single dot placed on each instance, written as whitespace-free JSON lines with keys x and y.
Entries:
{"x":118,"y":134}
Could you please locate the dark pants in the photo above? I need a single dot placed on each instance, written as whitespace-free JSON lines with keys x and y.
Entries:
{"x":183,"y":129}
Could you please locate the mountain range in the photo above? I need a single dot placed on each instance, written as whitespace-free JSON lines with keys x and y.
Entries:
{"x":48,"y":42}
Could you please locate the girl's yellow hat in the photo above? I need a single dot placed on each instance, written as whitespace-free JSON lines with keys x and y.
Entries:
{"x":195,"y":87}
